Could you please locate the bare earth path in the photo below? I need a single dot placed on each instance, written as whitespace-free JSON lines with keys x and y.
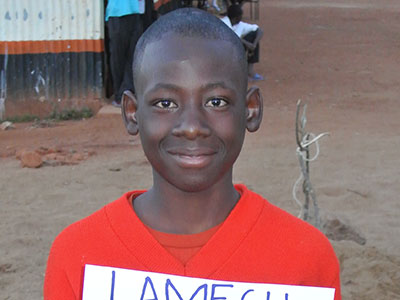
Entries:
{"x":341,"y":57}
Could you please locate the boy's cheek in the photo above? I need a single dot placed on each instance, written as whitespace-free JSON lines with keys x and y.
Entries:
{"x":154,"y":125}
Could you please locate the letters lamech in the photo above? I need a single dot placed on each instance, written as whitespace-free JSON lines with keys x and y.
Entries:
{"x":107,"y":283}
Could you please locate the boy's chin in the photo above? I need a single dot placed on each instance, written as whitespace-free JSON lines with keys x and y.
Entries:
{"x":193,"y":183}
{"x":192,"y":180}
{"x":194,"y":186}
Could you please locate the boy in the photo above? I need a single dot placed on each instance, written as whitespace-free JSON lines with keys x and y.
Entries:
{"x":191,"y":110}
{"x":126,"y":20}
{"x":250,"y":35}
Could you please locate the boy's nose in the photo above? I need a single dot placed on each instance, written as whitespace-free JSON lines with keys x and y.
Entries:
{"x":191,"y":125}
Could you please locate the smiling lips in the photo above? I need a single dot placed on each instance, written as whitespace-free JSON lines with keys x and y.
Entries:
{"x":192,"y":158}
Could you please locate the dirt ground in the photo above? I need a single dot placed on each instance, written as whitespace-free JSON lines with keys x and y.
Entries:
{"x":341,"y":57}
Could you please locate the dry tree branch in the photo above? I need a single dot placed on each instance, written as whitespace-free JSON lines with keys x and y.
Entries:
{"x":304,"y":140}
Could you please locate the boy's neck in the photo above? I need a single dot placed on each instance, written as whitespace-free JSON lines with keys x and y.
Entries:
{"x":168,"y":209}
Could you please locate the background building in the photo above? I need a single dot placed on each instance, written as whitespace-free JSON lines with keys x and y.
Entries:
{"x":52,"y":55}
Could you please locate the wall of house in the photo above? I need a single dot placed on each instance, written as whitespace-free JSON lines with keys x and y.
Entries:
{"x":51,"y":55}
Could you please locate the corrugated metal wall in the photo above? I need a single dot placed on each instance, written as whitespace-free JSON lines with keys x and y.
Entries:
{"x":51,"y":51}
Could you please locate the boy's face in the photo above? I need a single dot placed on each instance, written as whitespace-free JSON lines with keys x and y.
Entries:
{"x":191,"y":110}
{"x":236,"y":20}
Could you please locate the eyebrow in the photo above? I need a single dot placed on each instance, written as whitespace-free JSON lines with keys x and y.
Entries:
{"x":214,"y":85}
{"x":167,"y":86}
{"x":205,"y":87}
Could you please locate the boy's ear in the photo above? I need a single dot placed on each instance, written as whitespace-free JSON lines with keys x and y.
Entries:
{"x":254,"y":108}
{"x":129,"y":108}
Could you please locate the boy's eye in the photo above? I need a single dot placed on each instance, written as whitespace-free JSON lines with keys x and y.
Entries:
{"x":165,"y":103}
{"x":216,"y":102}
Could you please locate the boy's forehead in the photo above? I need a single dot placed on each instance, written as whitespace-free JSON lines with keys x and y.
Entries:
{"x":173,"y":47}
{"x":211,"y":56}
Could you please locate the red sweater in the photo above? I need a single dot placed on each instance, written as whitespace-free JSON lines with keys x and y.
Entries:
{"x":258,"y":242}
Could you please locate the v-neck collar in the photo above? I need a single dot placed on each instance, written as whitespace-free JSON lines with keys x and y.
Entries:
{"x":142,"y":245}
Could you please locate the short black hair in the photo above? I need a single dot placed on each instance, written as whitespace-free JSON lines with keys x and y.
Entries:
{"x":234,"y":11}
{"x":189,"y":22}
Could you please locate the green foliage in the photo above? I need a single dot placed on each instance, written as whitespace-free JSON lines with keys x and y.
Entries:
{"x":22,"y":119}
{"x":71,"y":114}
{"x":64,"y":115}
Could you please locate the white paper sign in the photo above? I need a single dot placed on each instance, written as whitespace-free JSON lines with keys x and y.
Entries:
{"x":108,"y":283}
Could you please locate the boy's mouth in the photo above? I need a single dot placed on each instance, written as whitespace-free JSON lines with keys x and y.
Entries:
{"x":192,"y":158}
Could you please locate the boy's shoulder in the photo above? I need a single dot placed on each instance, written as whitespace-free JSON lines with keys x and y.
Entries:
{"x":264,"y":225}
{"x":97,"y":226}
{"x":278,"y":231}
{"x":281,"y":224}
